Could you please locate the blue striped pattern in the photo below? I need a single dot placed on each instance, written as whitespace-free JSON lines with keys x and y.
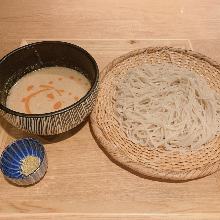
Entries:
{"x":14,"y":153}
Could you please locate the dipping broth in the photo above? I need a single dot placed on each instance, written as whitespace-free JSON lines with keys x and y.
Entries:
{"x":47,"y":90}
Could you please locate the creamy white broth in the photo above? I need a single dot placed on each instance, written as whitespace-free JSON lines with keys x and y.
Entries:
{"x":46,"y":90}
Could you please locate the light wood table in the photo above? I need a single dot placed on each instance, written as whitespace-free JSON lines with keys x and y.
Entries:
{"x":82,"y":183}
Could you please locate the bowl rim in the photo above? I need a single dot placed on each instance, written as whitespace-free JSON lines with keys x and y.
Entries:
{"x":41,"y":161}
{"x":63,"y":110}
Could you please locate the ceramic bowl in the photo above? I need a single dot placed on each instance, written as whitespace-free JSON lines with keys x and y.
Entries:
{"x":46,"y":54}
{"x":12,"y":160}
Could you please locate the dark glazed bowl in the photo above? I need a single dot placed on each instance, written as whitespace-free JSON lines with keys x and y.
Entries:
{"x":46,"y":54}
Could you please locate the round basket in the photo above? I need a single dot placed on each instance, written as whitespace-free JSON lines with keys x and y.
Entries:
{"x":157,"y":163}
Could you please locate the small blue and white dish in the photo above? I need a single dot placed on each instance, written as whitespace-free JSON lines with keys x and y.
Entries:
{"x":13,"y":157}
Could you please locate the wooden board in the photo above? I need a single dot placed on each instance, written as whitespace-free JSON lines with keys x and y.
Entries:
{"x":82,"y":183}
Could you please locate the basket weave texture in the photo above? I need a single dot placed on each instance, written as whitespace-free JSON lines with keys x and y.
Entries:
{"x":157,"y":163}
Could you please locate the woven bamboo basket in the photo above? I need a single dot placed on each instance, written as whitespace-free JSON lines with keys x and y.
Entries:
{"x":157,"y":163}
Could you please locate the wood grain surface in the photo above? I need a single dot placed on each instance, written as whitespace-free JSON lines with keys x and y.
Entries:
{"x":82,"y":182}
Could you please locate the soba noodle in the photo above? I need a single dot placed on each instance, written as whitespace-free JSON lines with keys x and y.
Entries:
{"x":168,"y":106}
